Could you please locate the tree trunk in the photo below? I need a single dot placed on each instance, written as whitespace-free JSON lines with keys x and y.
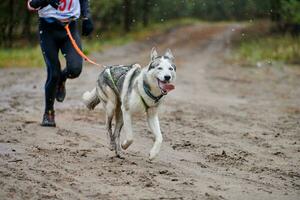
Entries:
{"x":10,"y":24}
{"x":276,"y":9}
{"x":146,"y":13}
{"x":26,"y":29}
{"x":127,"y":15}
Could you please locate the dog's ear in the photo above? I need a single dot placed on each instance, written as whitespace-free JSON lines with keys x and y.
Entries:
{"x":169,"y":54}
{"x":153,"y":53}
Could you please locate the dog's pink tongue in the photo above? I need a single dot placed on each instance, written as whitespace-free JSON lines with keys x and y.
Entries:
{"x":168,"y":87}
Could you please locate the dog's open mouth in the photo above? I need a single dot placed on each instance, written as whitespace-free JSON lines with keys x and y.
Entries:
{"x":165,"y":86}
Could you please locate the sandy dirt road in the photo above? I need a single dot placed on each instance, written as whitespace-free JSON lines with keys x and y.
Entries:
{"x":230,"y":132}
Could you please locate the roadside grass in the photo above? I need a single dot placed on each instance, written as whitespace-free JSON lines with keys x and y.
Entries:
{"x":21,"y":57}
{"x":257,"y":45}
{"x":31,"y":56}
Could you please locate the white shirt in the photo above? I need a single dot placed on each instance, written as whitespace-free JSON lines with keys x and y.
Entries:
{"x":67,"y":9}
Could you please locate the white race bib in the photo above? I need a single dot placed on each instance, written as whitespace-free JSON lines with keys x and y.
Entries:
{"x":66,"y":9}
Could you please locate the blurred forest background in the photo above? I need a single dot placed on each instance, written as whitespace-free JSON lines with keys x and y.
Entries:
{"x":117,"y":18}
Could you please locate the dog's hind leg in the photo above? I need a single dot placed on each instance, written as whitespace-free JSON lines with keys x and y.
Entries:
{"x":117,"y":131}
{"x":110,"y":109}
{"x":153,"y":123}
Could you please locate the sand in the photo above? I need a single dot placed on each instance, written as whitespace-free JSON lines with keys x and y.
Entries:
{"x":230,"y":132}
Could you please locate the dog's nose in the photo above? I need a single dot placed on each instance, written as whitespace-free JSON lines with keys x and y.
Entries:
{"x":167,"y":78}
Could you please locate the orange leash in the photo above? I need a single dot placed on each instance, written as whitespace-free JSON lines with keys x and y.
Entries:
{"x":77,"y":48}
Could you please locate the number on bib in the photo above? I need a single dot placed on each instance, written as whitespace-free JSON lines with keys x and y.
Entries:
{"x":63,"y":5}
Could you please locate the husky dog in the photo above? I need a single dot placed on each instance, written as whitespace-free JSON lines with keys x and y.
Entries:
{"x":125,"y":90}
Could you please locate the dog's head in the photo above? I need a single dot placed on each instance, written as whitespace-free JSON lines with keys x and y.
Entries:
{"x":161,"y":73}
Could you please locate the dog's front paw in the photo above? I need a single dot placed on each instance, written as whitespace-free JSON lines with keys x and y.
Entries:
{"x":126,"y":144}
{"x":119,"y":155}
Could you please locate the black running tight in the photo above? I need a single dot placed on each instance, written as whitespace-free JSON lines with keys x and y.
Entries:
{"x":53,"y":38}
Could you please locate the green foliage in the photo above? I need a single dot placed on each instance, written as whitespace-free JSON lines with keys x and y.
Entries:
{"x":105,"y":12}
{"x":291,"y":11}
{"x":257,"y":45}
{"x":271,"y":49}
{"x":125,"y":15}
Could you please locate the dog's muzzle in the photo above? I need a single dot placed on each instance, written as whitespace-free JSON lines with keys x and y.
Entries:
{"x":165,"y":86}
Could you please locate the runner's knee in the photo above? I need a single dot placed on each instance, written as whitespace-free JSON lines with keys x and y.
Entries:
{"x":74,"y":70}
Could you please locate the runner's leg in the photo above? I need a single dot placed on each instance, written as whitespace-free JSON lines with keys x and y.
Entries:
{"x":73,"y":59}
{"x":50,"y":50}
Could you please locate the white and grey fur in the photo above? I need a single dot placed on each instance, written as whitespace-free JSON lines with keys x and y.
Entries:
{"x":126,"y":94}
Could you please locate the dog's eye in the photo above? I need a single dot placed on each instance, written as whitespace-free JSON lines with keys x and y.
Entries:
{"x":171,"y":69}
{"x":160,"y":68}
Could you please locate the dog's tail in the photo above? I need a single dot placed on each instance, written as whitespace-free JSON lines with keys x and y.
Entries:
{"x":91,"y":99}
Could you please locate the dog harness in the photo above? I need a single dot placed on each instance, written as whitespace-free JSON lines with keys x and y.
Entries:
{"x":113,"y":82}
{"x":116,"y":76}
{"x":148,"y":92}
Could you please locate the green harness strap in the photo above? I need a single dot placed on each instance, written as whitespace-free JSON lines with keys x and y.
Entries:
{"x":145,"y":104}
{"x":113,"y":81}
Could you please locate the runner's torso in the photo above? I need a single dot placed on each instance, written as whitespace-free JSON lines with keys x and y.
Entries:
{"x":67,"y":9}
